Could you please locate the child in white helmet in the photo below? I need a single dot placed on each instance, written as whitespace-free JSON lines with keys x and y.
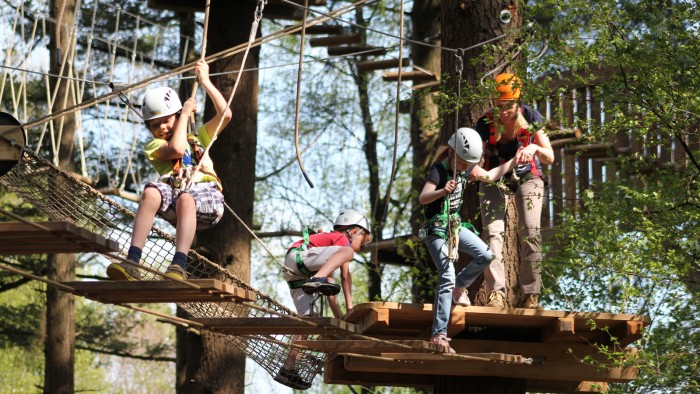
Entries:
{"x":174,"y":153}
{"x":442,"y":197}
{"x":311,"y":262}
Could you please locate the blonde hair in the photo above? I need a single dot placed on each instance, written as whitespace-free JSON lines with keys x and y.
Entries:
{"x":520,"y":123}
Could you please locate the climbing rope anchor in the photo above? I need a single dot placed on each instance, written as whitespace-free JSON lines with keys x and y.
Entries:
{"x":12,"y":140}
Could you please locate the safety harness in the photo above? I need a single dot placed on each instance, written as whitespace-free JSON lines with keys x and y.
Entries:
{"x":182,"y":167}
{"x":296,"y":284}
{"x":437,"y":225}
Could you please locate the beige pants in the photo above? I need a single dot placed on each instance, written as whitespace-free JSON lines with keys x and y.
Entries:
{"x":528,"y":202}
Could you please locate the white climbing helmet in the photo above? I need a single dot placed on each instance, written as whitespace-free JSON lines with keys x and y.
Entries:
{"x":351,"y":217}
{"x":469,"y":146}
{"x":159,"y":102}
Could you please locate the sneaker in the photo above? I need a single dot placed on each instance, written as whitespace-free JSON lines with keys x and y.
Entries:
{"x":122,"y":271}
{"x":497,"y":300}
{"x":460,"y":296}
{"x":443,"y":341}
{"x":176,"y":272}
{"x":320,"y":285}
{"x":291,"y":378}
{"x":531,"y":302}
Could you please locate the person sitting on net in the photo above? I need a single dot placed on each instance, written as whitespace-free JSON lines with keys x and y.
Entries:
{"x":175,"y":154}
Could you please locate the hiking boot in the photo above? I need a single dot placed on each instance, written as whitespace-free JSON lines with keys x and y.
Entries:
{"x":123,"y":271}
{"x":460,"y":296}
{"x":530,"y":301}
{"x":443,"y":341}
{"x":291,"y":378}
{"x":320,"y":285}
{"x":497,"y":300}
{"x":176,"y":272}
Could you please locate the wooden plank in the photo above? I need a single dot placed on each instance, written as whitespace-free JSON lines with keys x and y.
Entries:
{"x":360,"y":50}
{"x":491,"y":357}
{"x":335,"y":40}
{"x":413,"y":321}
{"x":160,"y":291}
{"x":278,"y":325}
{"x":372,"y":65}
{"x":189,"y":6}
{"x":628,"y":332}
{"x":323,"y":29}
{"x":368,"y":346}
{"x":61,"y":237}
{"x":574,"y":370}
{"x":415,"y":76}
{"x":557,"y":186}
{"x":570,"y":183}
{"x":335,"y":373}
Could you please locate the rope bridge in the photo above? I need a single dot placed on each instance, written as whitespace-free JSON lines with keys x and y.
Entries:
{"x":63,"y":198}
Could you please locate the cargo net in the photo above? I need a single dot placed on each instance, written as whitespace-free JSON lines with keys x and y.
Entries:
{"x":63,"y":198}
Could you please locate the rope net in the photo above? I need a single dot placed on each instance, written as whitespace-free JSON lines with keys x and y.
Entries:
{"x":63,"y":198}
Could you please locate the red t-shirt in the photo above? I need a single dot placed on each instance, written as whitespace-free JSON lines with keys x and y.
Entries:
{"x":333,"y":238}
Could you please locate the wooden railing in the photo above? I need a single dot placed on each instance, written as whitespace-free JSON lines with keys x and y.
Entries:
{"x":581,"y":162}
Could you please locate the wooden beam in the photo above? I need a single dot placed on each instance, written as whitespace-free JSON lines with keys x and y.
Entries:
{"x":492,"y":357}
{"x":627,"y":333}
{"x":61,"y":237}
{"x":124,"y":292}
{"x":372,"y":65}
{"x":453,"y":367}
{"x":559,"y":329}
{"x":323,"y":29}
{"x":367,"y":346}
{"x":336,"y":373}
{"x":335,"y":40}
{"x":375,"y":319}
{"x":358,"y":50}
{"x":415,"y":76}
{"x":278,"y":325}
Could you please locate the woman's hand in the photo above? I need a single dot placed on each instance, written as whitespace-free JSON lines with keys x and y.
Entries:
{"x":526,"y":154}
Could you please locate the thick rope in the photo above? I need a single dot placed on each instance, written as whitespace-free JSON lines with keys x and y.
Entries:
{"x":251,"y":38}
{"x":297,"y":107}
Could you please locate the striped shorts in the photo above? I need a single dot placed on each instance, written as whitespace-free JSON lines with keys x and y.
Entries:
{"x":207,"y":197}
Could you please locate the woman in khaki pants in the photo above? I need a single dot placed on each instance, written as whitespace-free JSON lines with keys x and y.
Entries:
{"x":513,"y":130}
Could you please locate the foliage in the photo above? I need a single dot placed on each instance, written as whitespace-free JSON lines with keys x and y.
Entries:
{"x":633,"y":247}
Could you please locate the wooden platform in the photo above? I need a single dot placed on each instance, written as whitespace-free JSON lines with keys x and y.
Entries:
{"x":278,"y":325}
{"x":118,"y":292}
{"x":543,"y":347}
{"x":61,"y":237}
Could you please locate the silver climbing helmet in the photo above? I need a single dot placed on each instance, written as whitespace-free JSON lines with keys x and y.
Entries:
{"x":467,"y":144}
{"x":160,"y":102}
{"x":351,"y":217}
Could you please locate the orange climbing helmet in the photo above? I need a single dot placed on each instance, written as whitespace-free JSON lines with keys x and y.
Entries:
{"x":508,"y":86}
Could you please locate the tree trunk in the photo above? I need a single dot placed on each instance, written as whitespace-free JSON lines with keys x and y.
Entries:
{"x":424,"y":130}
{"x":221,"y":366}
{"x":483,"y":19}
{"x":483,"y":22}
{"x":188,"y":344}
{"x":59,"y":343}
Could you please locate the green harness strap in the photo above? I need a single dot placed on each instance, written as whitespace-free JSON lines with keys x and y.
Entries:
{"x":295,"y":284}
{"x":437,"y":225}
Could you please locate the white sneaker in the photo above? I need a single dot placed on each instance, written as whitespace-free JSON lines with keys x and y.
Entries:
{"x":442,"y":341}
{"x":460,"y":296}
